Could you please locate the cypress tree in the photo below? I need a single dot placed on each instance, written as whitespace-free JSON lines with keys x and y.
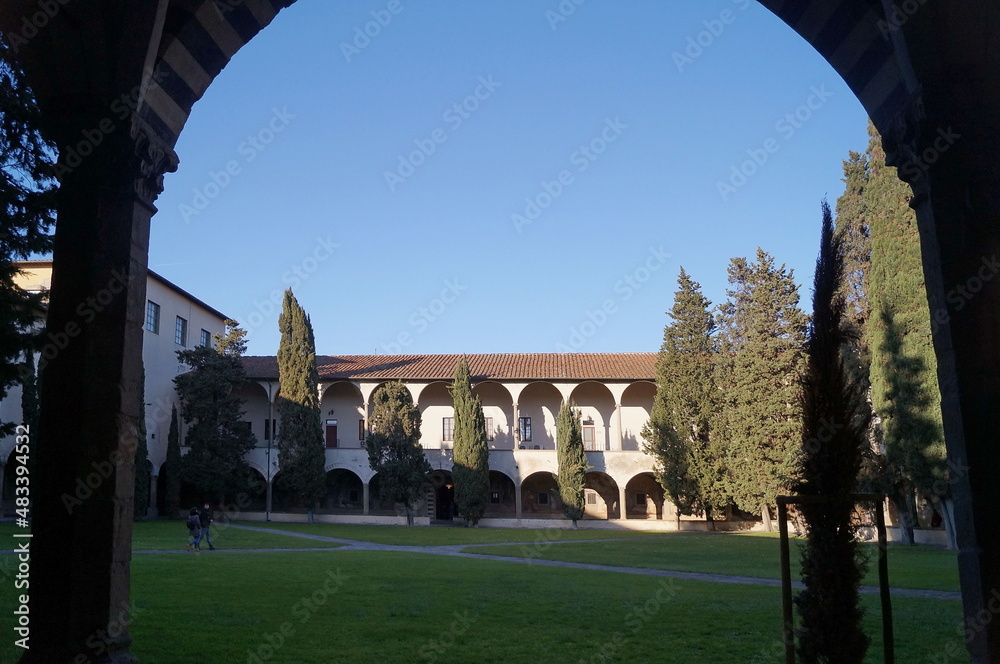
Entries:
{"x":394,"y":450}
{"x":172,"y":467}
{"x":834,"y":435}
{"x":903,"y":370}
{"x":572,"y":461}
{"x":300,"y":450}
{"x":27,"y":214}
{"x":142,"y":475}
{"x":678,"y":432}
{"x":471,"y":470}
{"x":763,"y":342}
{"x":212,"y":406}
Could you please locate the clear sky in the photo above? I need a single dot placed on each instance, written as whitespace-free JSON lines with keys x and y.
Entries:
{"x":501,"y":177}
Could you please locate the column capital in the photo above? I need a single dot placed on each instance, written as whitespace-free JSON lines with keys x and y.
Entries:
{"x":152,"y":159}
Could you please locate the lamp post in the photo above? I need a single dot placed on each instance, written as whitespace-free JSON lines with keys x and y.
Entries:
{"x":270,"y":437}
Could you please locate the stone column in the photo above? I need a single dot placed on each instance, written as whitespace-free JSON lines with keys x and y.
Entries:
{"x":515,"y":433}
{"x":81,"y":550}
{"x":518,"y":501}
{"x":618,"y":421}
{"x":365,"y":487}
{"x":622,"y":510}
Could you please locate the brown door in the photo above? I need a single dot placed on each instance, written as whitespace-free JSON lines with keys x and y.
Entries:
{"x":331,"y":433}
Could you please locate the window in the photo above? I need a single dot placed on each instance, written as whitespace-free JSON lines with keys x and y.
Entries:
{"x":206,"y":339}
{"x":448,"y":428}
{"x":589,"y":439}
{"x":181,"y":332}
{"x":153,"y":317}
{"x":352,"y":496}
{"x":489,"y":428}
{"x":524,"y":428}
{"x":361,"y":429}
{"x":270,"y":427}
{"x":640,"y":499}
{"x":543,"y":499}
{"x":495,"y":497}
{"x":591,"y":498}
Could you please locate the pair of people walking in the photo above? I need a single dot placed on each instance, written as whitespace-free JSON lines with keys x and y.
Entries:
{"x":199,"y":524}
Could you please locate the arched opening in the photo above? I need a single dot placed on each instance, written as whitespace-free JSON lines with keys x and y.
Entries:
{"x":497,"y":409}
{"x":437,"y":416}
{"x":343,"y":415}
{"x":637,"y":404}
{"x":344,"y":492}
{"x":597,"y":407}
{"x":643,"y":497}
{"x":601,"y":499}
{"x":537,"y":408}
{"x":540,"y":497}
{"x":502,"y":499}
{"x":440,"y":496}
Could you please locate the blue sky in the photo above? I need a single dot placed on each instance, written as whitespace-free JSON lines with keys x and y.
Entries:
{"x":501,"y":177}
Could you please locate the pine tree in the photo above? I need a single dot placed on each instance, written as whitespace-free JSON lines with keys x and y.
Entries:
{"x":572,"y":461}
{"x":903,"y":370}
{"x":394,"y":450}
{"x":678,"y":432}
{"x":211,"y":404}
{"x":142,"y":475}
{"x":763,"y":333}
{"x":301,"y":451}
{"x":834,"y":435}
{"x":471,"y":470}
{"x":172,"y":467}
{"x":27,"y":215}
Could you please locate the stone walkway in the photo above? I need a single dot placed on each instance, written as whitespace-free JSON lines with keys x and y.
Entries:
{"x":460,"y":551}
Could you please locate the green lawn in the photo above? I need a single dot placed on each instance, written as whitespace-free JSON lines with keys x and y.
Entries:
{"x":386,"y":608}
{"x":444,"y":535}
{"x":742,"y":555}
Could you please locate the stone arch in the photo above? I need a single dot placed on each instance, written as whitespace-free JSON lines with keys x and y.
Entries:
{"x":343,"y":414}
{"x":637,"y":404}
{"x":436,"y":406}
{"x":601,"y":496}
{"x":597,"y":412}
{"x":540,"y":496}
{"x":345,"y":492}
{"x":502,"y":500}
{"x":644,"y":498}
{"x":540,"y":401}
{"x":498,"y":410}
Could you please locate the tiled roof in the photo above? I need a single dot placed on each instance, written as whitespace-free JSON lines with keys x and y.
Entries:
{"x":492,"y":366}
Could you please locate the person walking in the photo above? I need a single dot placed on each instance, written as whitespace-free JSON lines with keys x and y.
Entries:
{"x":194,"y":529}
{"x":206,"y":523}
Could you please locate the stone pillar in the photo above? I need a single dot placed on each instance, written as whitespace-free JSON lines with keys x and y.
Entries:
{"x":81,"y":550}
{"x":954,"y":171}
{"x":622,"y":509}
{"x":618,"y":421}
{"x":515,"y":433}
{"x":518,"y":500}
{"x":153,"y":510}
{"x":365,"y":487}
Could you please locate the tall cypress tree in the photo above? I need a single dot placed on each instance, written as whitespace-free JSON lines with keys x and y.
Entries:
{"x":471,"y":470}
{"x":572,"y":461}
{"x":172,"y":467}
{"x":212,"y":406}
{"x":301,"y":451}
{"x":763,"y":333}
{"x":678,"y":432}
{"x":834,"y":435}
{"x":27,"y":215}
{"x":903,"y":371}
{"x":142,"y":475}
{"x":394,"y":450}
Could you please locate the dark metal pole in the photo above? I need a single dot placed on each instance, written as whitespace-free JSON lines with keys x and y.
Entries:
{"x":787,"y":630}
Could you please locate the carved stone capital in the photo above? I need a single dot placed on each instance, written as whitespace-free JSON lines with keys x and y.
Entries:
{"x":152,"y":159}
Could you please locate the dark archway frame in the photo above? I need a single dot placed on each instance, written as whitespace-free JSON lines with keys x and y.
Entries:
{"x":926,"y":72}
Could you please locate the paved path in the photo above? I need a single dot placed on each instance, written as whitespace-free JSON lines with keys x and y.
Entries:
{"x":459,"y":551}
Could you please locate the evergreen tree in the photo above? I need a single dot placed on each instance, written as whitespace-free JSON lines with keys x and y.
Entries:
{"x":142,"y":475}
{"x":212,"y":407}
{"x":903,"y":371}
{"x":763,"y":333}
{"x":29,"y":392}
{"x":572,"y":461}
{"x":172,"y":467}
{"x":678,"y":432}
{"x":834,"y":435}
{"x":301,"y":452}
{"x":471,"y":470}
{"x":27,"y":215}
{"x":394,"y":450}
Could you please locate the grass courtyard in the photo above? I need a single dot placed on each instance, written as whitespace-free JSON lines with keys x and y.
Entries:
{"x":235,"y":606}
